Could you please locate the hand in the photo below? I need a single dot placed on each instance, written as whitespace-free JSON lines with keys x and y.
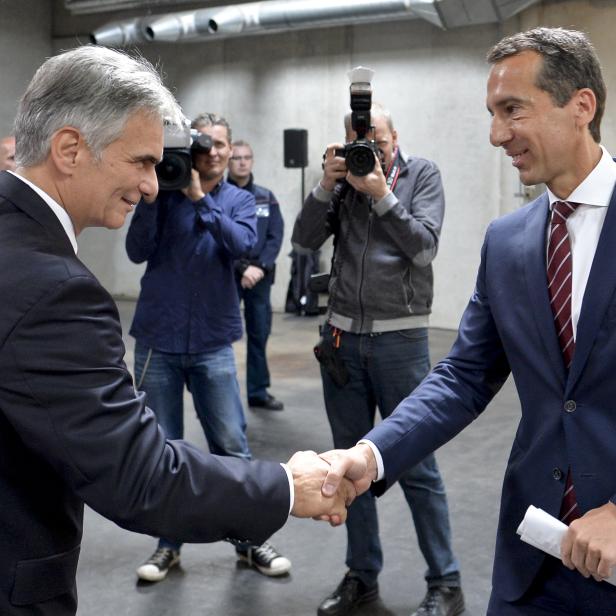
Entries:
{"x":373,"y":184}
{"x":309,"y":472}
{"x":334,"y":167}
{"x":252,"y":274}
{"x":194,"y":191}
{"x":356,"y":464}
{"x":590,"y":543}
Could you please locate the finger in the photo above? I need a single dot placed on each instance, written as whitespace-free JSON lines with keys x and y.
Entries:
{"x":591,"y":564}
{"x":578,"y":557}
{"x":337,"y":470}
{"x":565,"y":549}
{"x":604,"y":568}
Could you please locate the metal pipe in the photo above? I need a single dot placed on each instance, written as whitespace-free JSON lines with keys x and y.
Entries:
{"x":121,"y":33}
{"x":256,"y":16}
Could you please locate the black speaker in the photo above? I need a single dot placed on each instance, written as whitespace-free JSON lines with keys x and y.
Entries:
{"x":295,"y":147}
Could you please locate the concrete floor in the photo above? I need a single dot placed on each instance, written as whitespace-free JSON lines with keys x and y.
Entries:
{"x":210,"y":582}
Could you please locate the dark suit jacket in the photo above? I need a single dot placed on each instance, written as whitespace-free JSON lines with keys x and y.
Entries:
{"x":73,"y":430}
{"x":566,"y":419}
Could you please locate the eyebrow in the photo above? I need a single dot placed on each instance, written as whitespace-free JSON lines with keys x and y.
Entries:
{"x":506,"y":101}
{"x":147,"y":158}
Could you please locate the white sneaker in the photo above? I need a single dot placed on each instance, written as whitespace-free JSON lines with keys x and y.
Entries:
{"x":265,"y":558}
{"x":157,"y":566}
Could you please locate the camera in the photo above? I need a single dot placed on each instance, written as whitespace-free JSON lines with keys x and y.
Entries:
{"x":359,"y":154}
{"x":181,"y":143}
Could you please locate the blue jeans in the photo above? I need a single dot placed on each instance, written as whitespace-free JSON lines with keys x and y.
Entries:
{"x":258,"y":316}
{"x":211,"y":378}
{"x":383,"y":370}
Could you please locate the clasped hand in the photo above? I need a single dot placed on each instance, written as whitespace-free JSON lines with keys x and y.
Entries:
{"x":326,"y":484}
{"x":589,"y":545}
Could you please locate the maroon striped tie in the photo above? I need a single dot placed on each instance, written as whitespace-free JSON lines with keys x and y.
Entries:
{"x":560,"y":289}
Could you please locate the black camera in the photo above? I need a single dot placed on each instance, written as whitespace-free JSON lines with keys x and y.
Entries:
{"x":359,"y":154}
{"x":181,"y":143}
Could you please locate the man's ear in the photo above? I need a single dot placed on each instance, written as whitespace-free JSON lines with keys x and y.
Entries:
{"x":585,"y":106}
{"x":67,"y":145}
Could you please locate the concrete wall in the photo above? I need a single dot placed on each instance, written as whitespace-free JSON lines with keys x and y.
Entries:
{"x":25,"y":42}
{"x":433,"y":82}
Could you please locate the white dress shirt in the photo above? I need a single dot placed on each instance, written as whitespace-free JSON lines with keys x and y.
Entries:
{"x":56,"y":208}
{"x":584,"y":227}
{"x":585,"y":224}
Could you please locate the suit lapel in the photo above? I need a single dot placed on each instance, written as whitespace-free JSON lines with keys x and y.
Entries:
{"x":25,"y":199}
{"x":599,"y":290}
{"x":534,"y":255}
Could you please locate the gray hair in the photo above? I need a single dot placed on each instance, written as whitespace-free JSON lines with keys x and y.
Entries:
{"x":376,"y":111}
{"x":93,"y":89}
{"x":211,"y":119}
{"x":570,"y":63}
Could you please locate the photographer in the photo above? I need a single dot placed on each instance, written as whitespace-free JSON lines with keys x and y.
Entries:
{"x":374,"y":346}
{"x":188,"y":315}
{"x":255,"y":277}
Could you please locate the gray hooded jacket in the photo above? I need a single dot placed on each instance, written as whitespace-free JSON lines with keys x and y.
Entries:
{"x":381,"y":278}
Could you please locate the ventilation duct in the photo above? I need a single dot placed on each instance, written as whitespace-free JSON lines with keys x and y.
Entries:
{"x":121,"y":33}
{"x":84,"y":7}
{"x":280,"y":15}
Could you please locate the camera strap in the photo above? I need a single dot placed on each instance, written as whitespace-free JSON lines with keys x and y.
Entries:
{"x":392,"y":173}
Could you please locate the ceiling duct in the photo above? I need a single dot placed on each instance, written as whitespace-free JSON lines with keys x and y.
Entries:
{"x":84,"y":7}
{"x":281,"y":15}
{"x":121,"y":33}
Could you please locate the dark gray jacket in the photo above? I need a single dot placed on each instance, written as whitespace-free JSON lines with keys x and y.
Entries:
{"x":381,"y":277}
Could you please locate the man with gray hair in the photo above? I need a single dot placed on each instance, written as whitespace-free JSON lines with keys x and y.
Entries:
{"x":73,"y":429}
{"x":374,"y":346}
{"x":544,"y":311}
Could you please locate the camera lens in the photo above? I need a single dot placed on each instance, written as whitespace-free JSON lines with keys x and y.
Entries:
{"x":360,"y":159}
{"x":174,"y":170}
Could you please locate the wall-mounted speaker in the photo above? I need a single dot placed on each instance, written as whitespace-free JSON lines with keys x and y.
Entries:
{"x":295,"y":147}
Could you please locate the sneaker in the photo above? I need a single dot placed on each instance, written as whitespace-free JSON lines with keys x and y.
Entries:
{"x":441,"y":601}
{"x":265,"y":558}
{"x":157,"y":566}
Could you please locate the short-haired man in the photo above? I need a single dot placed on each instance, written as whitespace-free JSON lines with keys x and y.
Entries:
{"x":7,"y":153}
{"x":89,"y":132}
{"x":188,"y":316}
{"x":255,"y":273}
{"x":386,"y":226}
{"x":543,"y":310}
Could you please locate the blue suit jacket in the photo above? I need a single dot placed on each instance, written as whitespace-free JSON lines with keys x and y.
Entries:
{"x":73,"y":429}
{"x":566,"y":419}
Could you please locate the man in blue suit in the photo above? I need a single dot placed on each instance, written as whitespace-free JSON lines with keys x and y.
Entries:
{"x":544,"y":310}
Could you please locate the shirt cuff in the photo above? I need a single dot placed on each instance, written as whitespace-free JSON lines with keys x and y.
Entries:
{"x":291,"y":486}
{"x":385,"y":204}
{"x":320,"y":194}
{"x":380,"y":467}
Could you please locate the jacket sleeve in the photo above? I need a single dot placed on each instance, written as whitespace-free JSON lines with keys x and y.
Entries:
{"x":275,"y":233}
{"x":235,"y":231}
{"x":68,"y":395}
{"x":415,"y":229}
{"x":455,"y":392}
{"x":143,"y":232}
{"x":312,"y":226}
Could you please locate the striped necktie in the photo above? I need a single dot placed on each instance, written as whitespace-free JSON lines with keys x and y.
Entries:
{"x":560,"y":291}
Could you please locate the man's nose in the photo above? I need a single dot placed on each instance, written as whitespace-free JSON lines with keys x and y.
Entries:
{"x":149,"y":185}
{"x":500,"y":132}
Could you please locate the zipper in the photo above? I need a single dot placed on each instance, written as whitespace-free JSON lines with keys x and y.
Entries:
{"x":363,"y":266}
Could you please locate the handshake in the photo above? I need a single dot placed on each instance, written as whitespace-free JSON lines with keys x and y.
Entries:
{"x":326,"y":484}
